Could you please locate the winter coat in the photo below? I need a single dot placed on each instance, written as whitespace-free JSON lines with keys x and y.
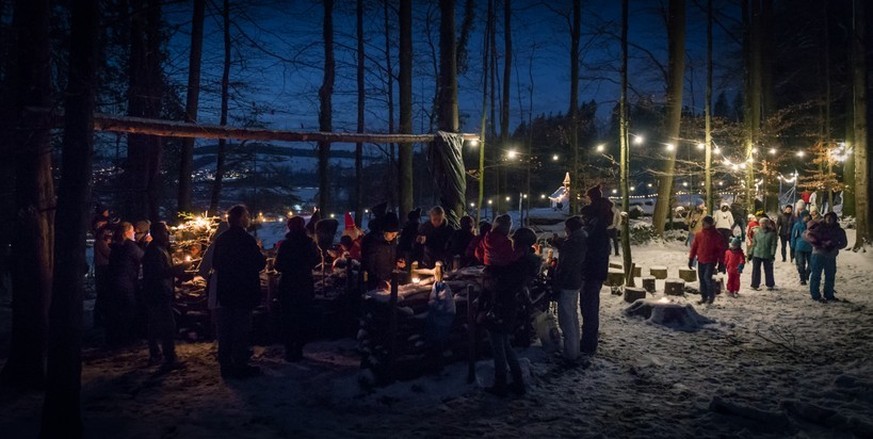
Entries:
{"x":475,"y":251}
{"x":508,"y":283}
{"x":616,"y":219}
{"x":379,"y":258}
{"x":724,"y":219}
{"x":750,"y":232}
{"x":734,"y":258}
{"x":826,"y":239}
{"x":764,"y":244}
{"x":797,"y":242}
{"x":297,"y":257}
{"x":708,"y":247}
{"x":597,"y":217}
{"x":101,"y":250}
{"x":238,"y":261}
{"x":497,"y":250}
{"x":571,"y":261}
{"x":459,"y":241}
{"x":783,"y":224}
{"x":436,"y":244}
{"x":694,"y":221}
{"x":124,"y":264}
{"x":407,"y":236}
{"x":158,"y":273}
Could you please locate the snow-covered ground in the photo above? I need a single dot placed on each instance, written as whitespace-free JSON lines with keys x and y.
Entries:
{"x":776,"y":364}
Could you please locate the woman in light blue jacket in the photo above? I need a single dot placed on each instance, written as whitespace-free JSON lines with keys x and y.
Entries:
{"x":802,"y":249}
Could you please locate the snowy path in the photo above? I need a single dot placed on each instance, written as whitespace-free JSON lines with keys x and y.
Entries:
{"x":646,"y":381}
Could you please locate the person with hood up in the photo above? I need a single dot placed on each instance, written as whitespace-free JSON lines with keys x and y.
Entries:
{"x":724,"y":222}
{"x":406,"y":243}
{"x":297,"y":257}
{"x":751,"y":225}
{"x":568,"y":280}
{"x":763,"y":252}
{"x":827,"y":239}
{"x":434,"y":236}
{"x":158,"y":276}
{"x":596,"y":216}
{"x":238,"y":262}
{"x":734,"y":261}
{"x":709,"y":251}
{"x":379,"y":253}
{"x":783,"y":229}
{"x":125,"y":258}
{"x":802,"y":248}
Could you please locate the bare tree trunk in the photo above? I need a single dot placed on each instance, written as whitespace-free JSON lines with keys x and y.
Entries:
{"x":752,"y":94}
{"x":862,"y":162}
{"x":506,"y":95}
{"x":405,"y":151}
{"x":61,"y":415}
{"x":359,"y":147}
{"x":448,"y":75}
{"x":325,"y":110}
{"x":483,"y":121}
{"x":710,"y":207}
{"x":192,"y":101}
{"x":676,"y":75}
{"x":492,"y":68}
{"x":32,"y":243}
{"x":627,"y":258}
{"x":221,"y":154}
{"x":573,"y":112}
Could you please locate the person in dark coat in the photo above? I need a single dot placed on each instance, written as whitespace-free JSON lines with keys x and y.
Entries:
{"x":102,"y":242}
{"x":474,"y":255}
{"x":158,"y":275}
{"x":505,"y":304}
{"x":237,"y":262}
{"x":567,"y":282}
{"x":784,"y":223}
{"x":434,"y":236}
{"x":379,"y":253}
{"x":125,"y":258}
{"x":596,"y":216}
{"x":297,"y":257}
{"x":460,"y":239}
{"x":827,"y":239}
{"x":406,"y":243}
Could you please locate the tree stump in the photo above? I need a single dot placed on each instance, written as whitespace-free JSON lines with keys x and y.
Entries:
{"x":632,"y":294}
{"x":659,"y":272}
{"x":673,"y":315}
{"x":638,"y":271}
{"x":649,"y":284}
{"x":688,"y":274}
{"x":674,"y":287}
{"x":615,"y":265}
{"x":614,"y":280}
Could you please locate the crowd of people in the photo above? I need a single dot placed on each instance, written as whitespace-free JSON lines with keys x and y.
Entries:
{"x":803,"y":237}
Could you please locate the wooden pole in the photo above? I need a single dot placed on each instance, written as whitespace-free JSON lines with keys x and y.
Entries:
{"x":471,"y":337}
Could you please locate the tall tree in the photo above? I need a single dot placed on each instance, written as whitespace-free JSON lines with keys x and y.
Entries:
{"x":447,"y":162}
{"x":221,"y":154}
{"x":61,"y":416}
{"x":32,"y":243}
{"x":405,"y":79}
{"x":483,"y":130}
{"x":359,"y":147}
{"x":675,"y":75}
{"x":859,"y":87}
{"x":325,"y":109}
{"x":707,"y":110}
{"x":753,"y":91}
{"x":573,"y":112}
{"x":192,"y":100}
{"x":626,"y":256}
{"x":145,"y":94}
{"x":505,"y":95}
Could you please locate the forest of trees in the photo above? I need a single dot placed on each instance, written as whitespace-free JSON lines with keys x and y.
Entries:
{"x":789,"y":77}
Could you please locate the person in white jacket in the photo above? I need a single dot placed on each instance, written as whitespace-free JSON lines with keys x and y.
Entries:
{"x":724,"y":222}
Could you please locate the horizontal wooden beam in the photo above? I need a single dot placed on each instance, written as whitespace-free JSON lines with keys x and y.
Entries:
{"x":169,"y":128}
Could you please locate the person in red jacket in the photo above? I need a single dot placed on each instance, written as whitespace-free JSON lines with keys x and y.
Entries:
{"x":708,"y":248}
{"x":734,"y":261}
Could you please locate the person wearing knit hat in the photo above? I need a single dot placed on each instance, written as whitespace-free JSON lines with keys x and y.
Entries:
{"x":763,"y":252}
{"x":379,"y":253}
{"x":734,"y":261}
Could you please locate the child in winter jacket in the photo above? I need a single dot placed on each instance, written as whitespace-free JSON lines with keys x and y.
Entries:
{"x":734,"y":260}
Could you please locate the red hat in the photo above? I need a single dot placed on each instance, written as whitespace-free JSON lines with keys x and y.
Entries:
{"x":349,"y":221}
